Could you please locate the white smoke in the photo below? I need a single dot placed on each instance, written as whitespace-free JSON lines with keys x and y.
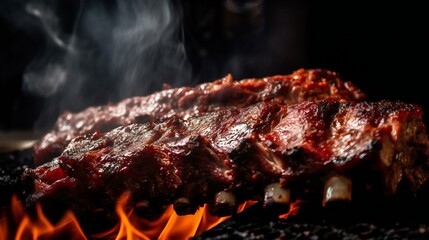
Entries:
{"x":114,"y":50}
{"x":146,"y":44}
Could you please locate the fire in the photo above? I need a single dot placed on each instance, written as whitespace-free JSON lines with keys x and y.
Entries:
{"x":294,"y":208}
{"x":168,"y":226}
{"x":17,"y":224}
{"x":39,"y":228}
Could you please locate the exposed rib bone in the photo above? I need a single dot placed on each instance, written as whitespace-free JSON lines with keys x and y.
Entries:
{"x":337,"y":188}
{"x":275,"y":194}
{"x":224,"y":204}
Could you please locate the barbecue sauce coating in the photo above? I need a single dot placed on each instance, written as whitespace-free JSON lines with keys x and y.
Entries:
{"x":241,"y":150}
{"x":186,"y":102}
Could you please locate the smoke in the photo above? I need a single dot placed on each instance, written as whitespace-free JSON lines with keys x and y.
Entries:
{"x":103,"y":52}
{"x":47,"y":74}
{"x":146,"y":44}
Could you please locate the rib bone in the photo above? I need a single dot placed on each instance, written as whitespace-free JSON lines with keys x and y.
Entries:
{"x":224,"y":204}
{"x":337,"y":188}
{"x":276,"y":194}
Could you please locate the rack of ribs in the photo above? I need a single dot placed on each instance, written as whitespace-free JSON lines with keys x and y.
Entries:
{"x":184,"y":102}
{"x":268,"y":151}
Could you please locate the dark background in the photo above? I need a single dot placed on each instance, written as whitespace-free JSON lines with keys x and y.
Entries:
{"x":381,"y":46}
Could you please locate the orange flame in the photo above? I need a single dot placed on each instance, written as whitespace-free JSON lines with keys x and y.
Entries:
{"x":4,"y":226}
{"x":294,"y":208}
{"x":130,"y":226}
{"x":40,"y":228}
{"x":168,"y":226}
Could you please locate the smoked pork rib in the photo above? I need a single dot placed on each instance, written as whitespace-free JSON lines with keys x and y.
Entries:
{"x":184,"y":102}
{"x":237,"y":152}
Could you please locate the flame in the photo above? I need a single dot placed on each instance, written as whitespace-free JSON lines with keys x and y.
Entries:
{"x":4,"y":233}
{"x":168,"y":226}
{"x":294,"y":208}
{"x":39,"y":228}
{"x":130,"y":226}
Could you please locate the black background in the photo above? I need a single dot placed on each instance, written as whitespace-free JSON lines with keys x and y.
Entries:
{"x":381,"y":46}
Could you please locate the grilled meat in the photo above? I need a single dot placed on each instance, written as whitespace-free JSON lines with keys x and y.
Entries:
{"x":264,"y":152}
{"x":191,"y":101}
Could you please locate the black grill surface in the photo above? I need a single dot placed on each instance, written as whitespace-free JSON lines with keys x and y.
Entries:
{"x":312,"y":222}
{"x":12,"y":164}
{"x":287,"y":229}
